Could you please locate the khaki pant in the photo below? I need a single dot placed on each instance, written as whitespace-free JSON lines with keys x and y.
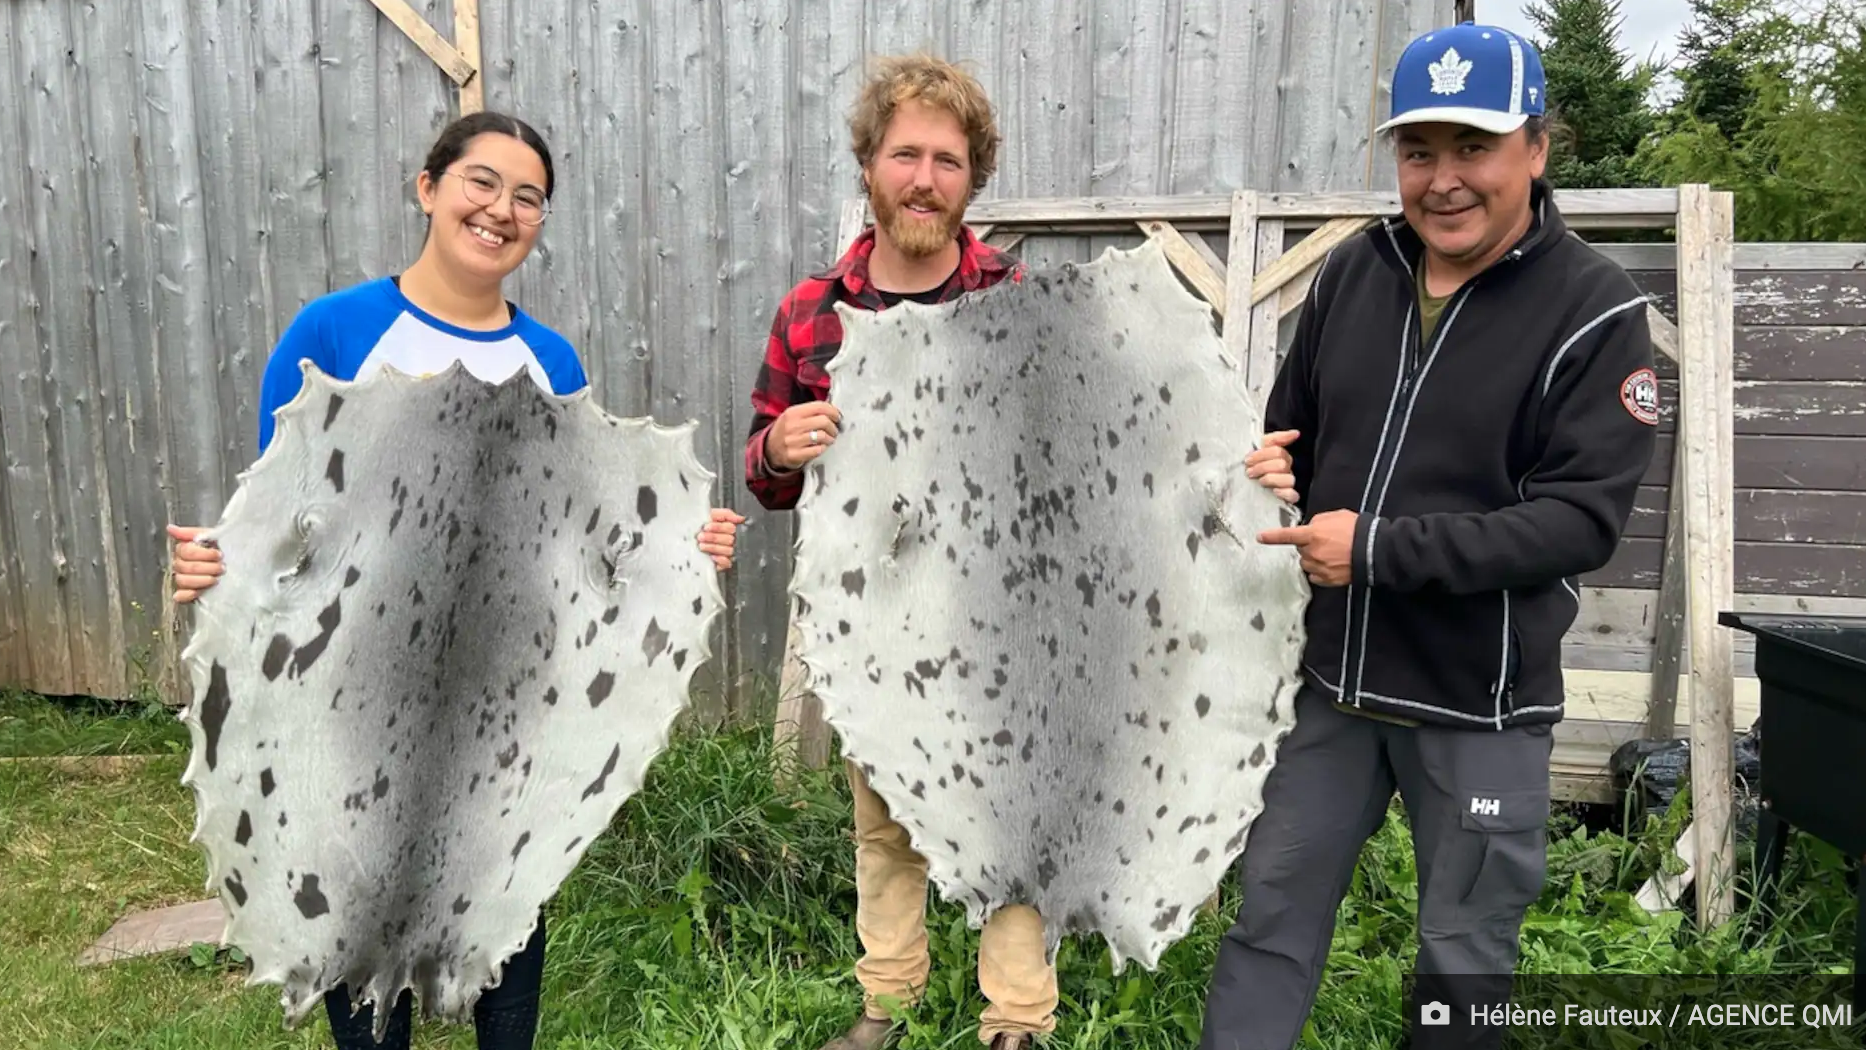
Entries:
{"x":890,"y":917}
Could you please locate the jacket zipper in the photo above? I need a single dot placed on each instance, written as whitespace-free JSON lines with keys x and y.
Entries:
{"x":1411,"y":362}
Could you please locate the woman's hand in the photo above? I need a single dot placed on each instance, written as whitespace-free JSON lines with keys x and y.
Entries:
{"x":719,"y":534}
{"x":196,"y":566}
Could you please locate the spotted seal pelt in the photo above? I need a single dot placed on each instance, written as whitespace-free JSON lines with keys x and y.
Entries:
{"x":1033,"y":602}
{"x":457,"y":622}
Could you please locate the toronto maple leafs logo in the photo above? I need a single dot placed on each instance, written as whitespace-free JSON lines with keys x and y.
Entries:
{"x":1448,"y":72}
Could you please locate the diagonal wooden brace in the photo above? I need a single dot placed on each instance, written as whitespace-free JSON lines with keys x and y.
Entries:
{"x":460,"y":68}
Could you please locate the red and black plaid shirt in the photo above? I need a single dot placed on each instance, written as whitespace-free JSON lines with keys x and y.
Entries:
{"x":806,"y":335}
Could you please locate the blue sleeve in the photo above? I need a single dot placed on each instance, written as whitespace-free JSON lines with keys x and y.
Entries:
{"x":558,"y":359}
{"x":303,"y":339}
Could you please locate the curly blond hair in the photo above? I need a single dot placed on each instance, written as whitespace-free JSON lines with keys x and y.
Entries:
{"x":933,"y":82}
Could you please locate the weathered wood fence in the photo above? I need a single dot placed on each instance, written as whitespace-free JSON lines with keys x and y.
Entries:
{"x":182,"y":175}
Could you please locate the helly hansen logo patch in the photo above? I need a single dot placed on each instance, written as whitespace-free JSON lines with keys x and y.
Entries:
{"x":1640,"y":395}
{"x":1486,"y":807}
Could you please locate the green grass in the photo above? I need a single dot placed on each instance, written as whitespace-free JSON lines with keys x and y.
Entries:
{"x":717,"y":912}
{"x":32,"y":726}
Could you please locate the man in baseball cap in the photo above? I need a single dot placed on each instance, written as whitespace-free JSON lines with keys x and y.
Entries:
{"x":1490,"y":402}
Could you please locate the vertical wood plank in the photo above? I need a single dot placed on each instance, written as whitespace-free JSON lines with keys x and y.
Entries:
{"x":126,"y":444}
{"x":1705,"y":337}
{"x":1268,"y":91}
{"x":1240,"y":269}
{"x":1126,"y":52}
{"x":1668,"y":644}
{"x":58,"y":213}
{"x":466,"y":41}
{"x":352,"y":105}
{"x":1265,"y":320}
{"x":829,"y":47}
{"x":759,"y":254}
{"x":25,"y":393}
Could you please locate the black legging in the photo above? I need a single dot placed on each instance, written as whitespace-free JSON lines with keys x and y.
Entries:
{"x":505,"y":1017}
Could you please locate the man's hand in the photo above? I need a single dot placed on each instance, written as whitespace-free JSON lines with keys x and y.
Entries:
{"x":801,"y":434}
{"x":1272,"y":466}
{"x":196,"y":566}
{"x":1326,"y":544}
{"x":718,"y":536}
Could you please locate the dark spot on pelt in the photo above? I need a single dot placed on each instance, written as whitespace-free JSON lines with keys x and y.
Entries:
{"x":600,"y":687}
{"x":1256,"y":621}
{"x":214,"y":710}
{"x":523,"y":837}
{"x":646,"y":504}
{"x":307,"y":654}
{"x":330,"y":410}
{"x":236,"y":887}
{"x":350,"y":576}
{"x":266,"y":783}
{"x":1202,"y":705}
{"x":333,"y":471}
{"x":653,"y":641}
{"x":461,"y":904}
{"x":276,"y":654}
{"x":601,"y":783}
{"x":244,"y":833}
{"x":1165,"y":918}
{"x":310,"y":899}
{"x":854,"y":582}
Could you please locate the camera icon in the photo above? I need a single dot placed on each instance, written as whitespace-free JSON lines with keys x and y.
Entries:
{"x":1435,"y":1014}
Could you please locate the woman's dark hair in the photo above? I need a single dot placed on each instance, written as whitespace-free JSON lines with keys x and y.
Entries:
{"x":454,"y":138}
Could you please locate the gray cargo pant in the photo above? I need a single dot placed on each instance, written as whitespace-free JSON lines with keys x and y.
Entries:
{"x":1478,"y":805}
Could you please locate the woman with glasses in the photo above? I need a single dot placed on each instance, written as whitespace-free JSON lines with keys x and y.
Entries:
{"x":486,"y":188}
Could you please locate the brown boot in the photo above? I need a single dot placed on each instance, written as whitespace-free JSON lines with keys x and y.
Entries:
{"x":866,"y":1034}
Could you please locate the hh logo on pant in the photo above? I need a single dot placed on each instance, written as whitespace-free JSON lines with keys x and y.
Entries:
{"x":1486,"y":807}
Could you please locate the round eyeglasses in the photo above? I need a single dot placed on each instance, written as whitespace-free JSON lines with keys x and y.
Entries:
{"x":483,"y":187}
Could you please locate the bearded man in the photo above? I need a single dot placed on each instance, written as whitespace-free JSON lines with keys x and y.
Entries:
{"x":925,"y":136}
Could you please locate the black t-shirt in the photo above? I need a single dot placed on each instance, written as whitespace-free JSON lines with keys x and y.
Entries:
{"x":929,"y":297}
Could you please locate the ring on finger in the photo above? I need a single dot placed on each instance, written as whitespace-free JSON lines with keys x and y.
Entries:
{"x":813,"y":437}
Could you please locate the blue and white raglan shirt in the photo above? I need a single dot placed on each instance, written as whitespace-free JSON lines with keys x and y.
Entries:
{"x":352,"y":333}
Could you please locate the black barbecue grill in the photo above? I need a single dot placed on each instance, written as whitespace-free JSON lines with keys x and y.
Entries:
{"x":1812,"y":673}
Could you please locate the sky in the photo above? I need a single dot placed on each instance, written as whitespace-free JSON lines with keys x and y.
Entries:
{"x":1648,"y":29}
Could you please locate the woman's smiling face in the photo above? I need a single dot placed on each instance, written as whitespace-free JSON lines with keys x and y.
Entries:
{"x":486,"y":208}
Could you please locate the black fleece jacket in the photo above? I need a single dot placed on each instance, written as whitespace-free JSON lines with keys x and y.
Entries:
{"x":1490,"y":466}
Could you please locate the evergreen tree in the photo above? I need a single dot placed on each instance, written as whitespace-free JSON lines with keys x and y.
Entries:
{"x":1599,"y":95}
{"x":1715,"y":55}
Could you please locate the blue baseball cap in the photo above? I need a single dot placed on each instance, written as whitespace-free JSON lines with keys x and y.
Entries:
{"x":1481,"y":76}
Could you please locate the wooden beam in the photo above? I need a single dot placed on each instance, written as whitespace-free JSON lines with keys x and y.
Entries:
{"x":1308,"y":253}
{"x":1187,"y":260}
{"x":466,"y":41}
{"x":456,"y":65}
{"x":1706,"y":305}
{"x":1617,"y":209}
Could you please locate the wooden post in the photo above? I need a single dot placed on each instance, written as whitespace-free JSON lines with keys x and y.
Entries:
{"x":1668,"y":635}
{"x":466,"y":40}
{"x":1706,"y":301}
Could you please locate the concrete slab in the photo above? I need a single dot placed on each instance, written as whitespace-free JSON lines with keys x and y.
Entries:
{"x":158,"y":930}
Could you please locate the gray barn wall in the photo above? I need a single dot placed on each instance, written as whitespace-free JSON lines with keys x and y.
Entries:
{"x":182,"y":175}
